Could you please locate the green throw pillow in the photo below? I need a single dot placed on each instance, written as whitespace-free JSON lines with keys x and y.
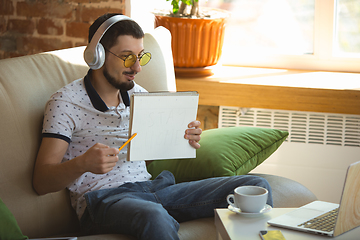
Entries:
{"x":9,"y":228}
{"x":224,"y":152}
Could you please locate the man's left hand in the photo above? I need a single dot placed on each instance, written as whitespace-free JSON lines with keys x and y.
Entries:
{"x":193,"y":134}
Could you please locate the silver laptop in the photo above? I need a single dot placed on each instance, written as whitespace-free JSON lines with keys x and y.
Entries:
{"x":326,"y":218}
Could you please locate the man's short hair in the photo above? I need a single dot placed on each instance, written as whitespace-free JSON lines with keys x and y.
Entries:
{"x":124,"y":27}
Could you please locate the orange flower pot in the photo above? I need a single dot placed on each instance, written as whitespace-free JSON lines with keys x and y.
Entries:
{"x":196,"y":43}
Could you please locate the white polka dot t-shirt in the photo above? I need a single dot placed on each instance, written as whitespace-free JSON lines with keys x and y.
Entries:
{"x":77,"y":114}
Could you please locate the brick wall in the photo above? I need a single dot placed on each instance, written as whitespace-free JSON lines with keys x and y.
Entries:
{"x":33,"y":26}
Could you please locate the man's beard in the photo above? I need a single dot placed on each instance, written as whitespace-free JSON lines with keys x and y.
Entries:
{"x":121,"y":86}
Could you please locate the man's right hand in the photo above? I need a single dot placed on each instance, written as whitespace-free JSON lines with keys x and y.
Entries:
{"x":99,"y":159}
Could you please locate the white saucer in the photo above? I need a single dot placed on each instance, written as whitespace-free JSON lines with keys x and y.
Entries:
{"x":266,"y":209}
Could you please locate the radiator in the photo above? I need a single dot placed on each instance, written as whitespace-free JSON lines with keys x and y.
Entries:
{"x":317,"y":152}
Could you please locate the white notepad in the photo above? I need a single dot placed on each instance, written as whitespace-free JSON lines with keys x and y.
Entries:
{"x":160,"y":120}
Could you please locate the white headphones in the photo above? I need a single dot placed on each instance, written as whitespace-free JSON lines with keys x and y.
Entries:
{"x":94,"y":53}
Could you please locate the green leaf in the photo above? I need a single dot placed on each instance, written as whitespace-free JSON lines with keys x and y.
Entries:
{"x":175,"y":4}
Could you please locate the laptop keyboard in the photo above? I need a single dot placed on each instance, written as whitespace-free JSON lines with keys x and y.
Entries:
{"x":324,"y":222}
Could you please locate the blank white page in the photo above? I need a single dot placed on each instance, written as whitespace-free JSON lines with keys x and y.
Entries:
{"x":160,"y":121}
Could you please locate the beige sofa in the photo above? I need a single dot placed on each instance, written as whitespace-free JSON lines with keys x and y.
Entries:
{"x":26,"y":84}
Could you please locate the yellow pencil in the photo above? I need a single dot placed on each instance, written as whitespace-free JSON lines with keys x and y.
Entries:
{"x":131,"y":138}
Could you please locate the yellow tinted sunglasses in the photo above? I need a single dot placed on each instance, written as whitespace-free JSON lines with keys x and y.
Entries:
{"x":130,"y":60}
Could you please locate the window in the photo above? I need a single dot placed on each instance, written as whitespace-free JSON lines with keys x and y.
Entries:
{"x":292,"y":34}
{"x":268,"y":26}
{"x":348,"y":27}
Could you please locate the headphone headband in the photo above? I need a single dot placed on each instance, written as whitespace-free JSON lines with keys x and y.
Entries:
{"x":94,"y":53}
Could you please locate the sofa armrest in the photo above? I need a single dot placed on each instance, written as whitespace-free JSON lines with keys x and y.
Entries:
{"x":288,"y":193}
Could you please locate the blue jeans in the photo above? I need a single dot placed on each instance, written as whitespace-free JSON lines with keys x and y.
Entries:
{"x":153,"y":209}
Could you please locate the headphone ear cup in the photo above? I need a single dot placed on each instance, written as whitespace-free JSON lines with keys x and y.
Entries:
{"x":95,"y":55}
{"x":99,"y":57}
{"x":89,"y":57}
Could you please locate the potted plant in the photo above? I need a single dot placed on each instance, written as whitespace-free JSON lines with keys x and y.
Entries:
{"x":197,"y":36}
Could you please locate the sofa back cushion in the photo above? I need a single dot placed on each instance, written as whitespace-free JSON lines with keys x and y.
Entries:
{"x":26,"y":83}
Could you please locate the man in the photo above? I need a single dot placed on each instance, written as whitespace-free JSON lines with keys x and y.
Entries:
{"x":86,"y":121}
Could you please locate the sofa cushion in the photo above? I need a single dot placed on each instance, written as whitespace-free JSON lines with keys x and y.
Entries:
{"x":224,"y":152}
{"x":9,"y":228}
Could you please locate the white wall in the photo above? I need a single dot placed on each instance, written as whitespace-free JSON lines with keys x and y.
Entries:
{"x":321,"y":168}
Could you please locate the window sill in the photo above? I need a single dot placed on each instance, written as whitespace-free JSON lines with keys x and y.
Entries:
{"x":314,"y":91}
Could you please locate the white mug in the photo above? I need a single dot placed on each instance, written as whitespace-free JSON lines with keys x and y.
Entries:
{"x":251,"y":199}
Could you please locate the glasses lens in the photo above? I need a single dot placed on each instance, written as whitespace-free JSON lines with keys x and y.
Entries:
{"x":145,"y":58}
{"x":130,"y":60}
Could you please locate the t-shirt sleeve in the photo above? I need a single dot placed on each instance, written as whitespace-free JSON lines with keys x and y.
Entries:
{"x":58,"y":120}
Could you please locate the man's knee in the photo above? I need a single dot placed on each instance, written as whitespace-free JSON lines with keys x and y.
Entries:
{"x":151,"y":211}
{"x":154,"y":219}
